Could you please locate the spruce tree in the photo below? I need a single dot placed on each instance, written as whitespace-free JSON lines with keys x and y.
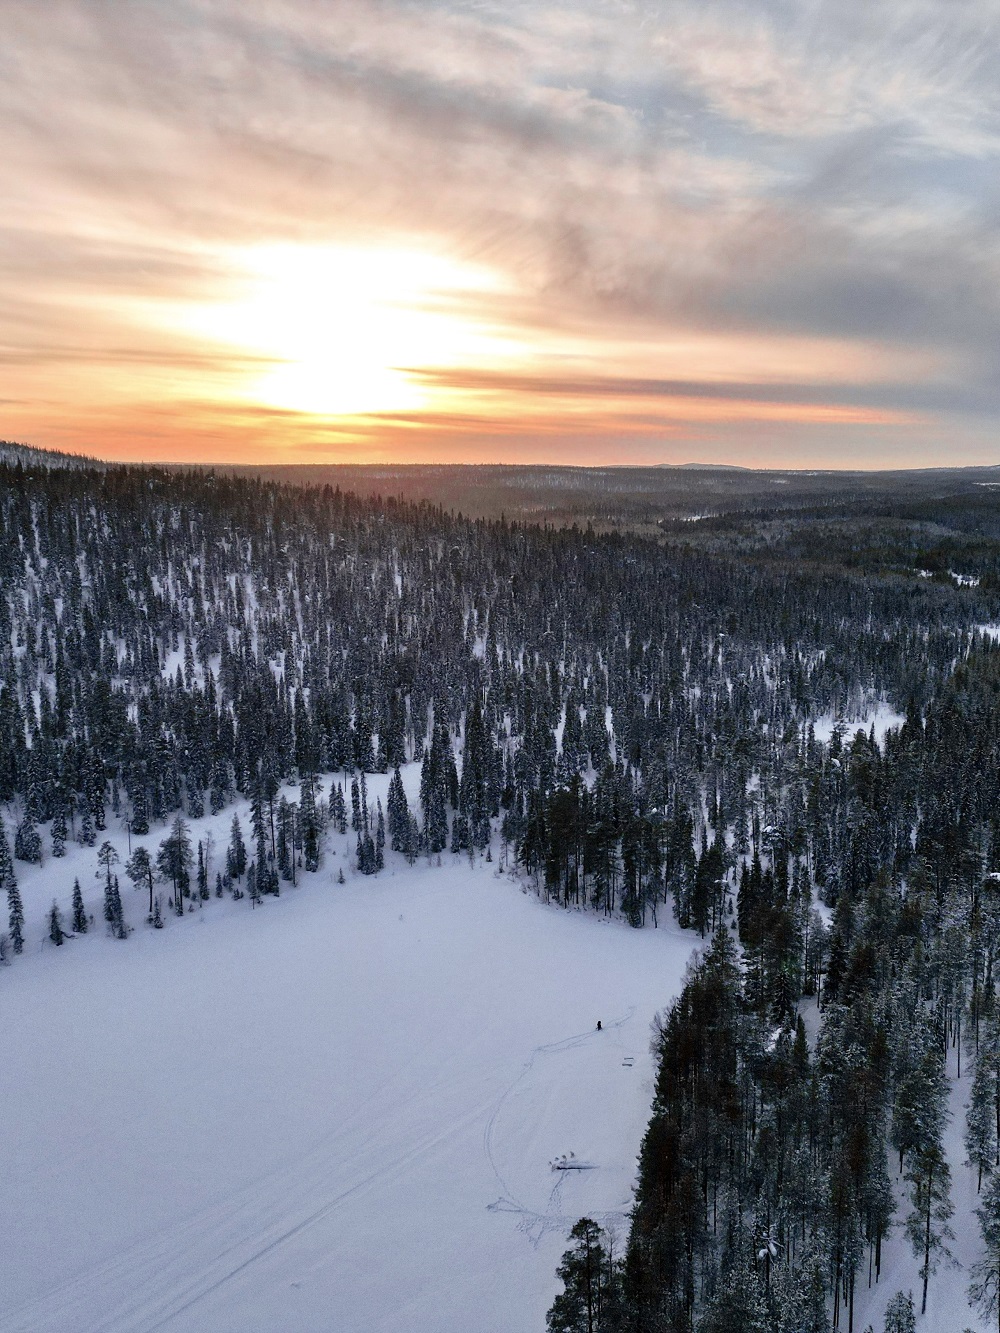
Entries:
{"x":740,"y":1302}
{"x":984,"y":1289}
{"x":927,"y":1170}
{"x":79,"y":911}
{"x":6,"y":864}
{"x":120,"y":929}
{"x":309,"y":822}
{"x":15,"y":916}
{"x":87,"y":835}
{"x":339,"y":810}
{"x":8,"y":881}
{"x":379,"y":857}
{"x":981,"y":1117}
{"x":398,"y":813}
{"x":59,"y":832}
{"x":236,"y":856}
{"x":56,"y":932}
{"x":27,"y":842}
{"x":800,"y":1297}
{"x":201,"y":878}
{"x":140,"y":811}
{"x":110,"y":907}
{"x":899,"y":1315}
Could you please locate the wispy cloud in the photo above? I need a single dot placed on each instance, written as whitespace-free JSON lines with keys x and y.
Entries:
{"x":663,"y":190}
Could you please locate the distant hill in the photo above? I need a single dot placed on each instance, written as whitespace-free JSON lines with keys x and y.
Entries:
{"x":637,"y":498}
{"x":29,"y":456}
{"x":707,"y":467}
{"x":640,"y":499}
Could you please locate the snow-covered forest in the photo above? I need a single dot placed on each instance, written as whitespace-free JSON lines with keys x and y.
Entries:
{"x":776,"y":736}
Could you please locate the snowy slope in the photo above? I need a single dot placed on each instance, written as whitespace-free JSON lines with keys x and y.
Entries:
{"x":334,"y":1113}
{"x":948,"y":1310}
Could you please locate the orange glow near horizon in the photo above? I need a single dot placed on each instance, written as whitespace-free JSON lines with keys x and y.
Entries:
{"x":354,"y":353}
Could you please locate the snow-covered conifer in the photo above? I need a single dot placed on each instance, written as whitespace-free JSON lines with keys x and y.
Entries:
{"x":79,"y":911}
{"x":56,"y":932}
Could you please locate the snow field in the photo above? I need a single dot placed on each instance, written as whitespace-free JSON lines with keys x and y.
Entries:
{"x":881,"y":716}
{"x":335,"y":1113}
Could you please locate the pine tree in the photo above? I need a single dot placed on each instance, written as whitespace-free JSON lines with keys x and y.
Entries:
{"x":267,"y":876}
{"x":107,"y":857}
{"x":929,"y":1177}
{"x":589,"y":1281}
{"x":139,"y":868}
{"x":173,"y":861}
{"x":287,"y":821}
{"x":920,"y":1116}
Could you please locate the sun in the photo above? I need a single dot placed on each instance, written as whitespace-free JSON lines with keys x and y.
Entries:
{"x":336,"y":328}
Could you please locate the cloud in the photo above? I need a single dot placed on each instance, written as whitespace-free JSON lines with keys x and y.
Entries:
{"x":640,"y":175}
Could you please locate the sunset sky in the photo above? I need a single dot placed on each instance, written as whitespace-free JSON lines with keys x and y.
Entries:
{"x":591,"y":232}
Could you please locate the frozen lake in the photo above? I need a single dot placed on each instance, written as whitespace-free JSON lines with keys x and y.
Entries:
{"x":334,"y":1113}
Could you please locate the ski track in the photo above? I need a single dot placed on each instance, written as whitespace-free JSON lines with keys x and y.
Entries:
{"x":158,"y":1270}
{"x":534,"y":1223}
{"x":168,"y":1275}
